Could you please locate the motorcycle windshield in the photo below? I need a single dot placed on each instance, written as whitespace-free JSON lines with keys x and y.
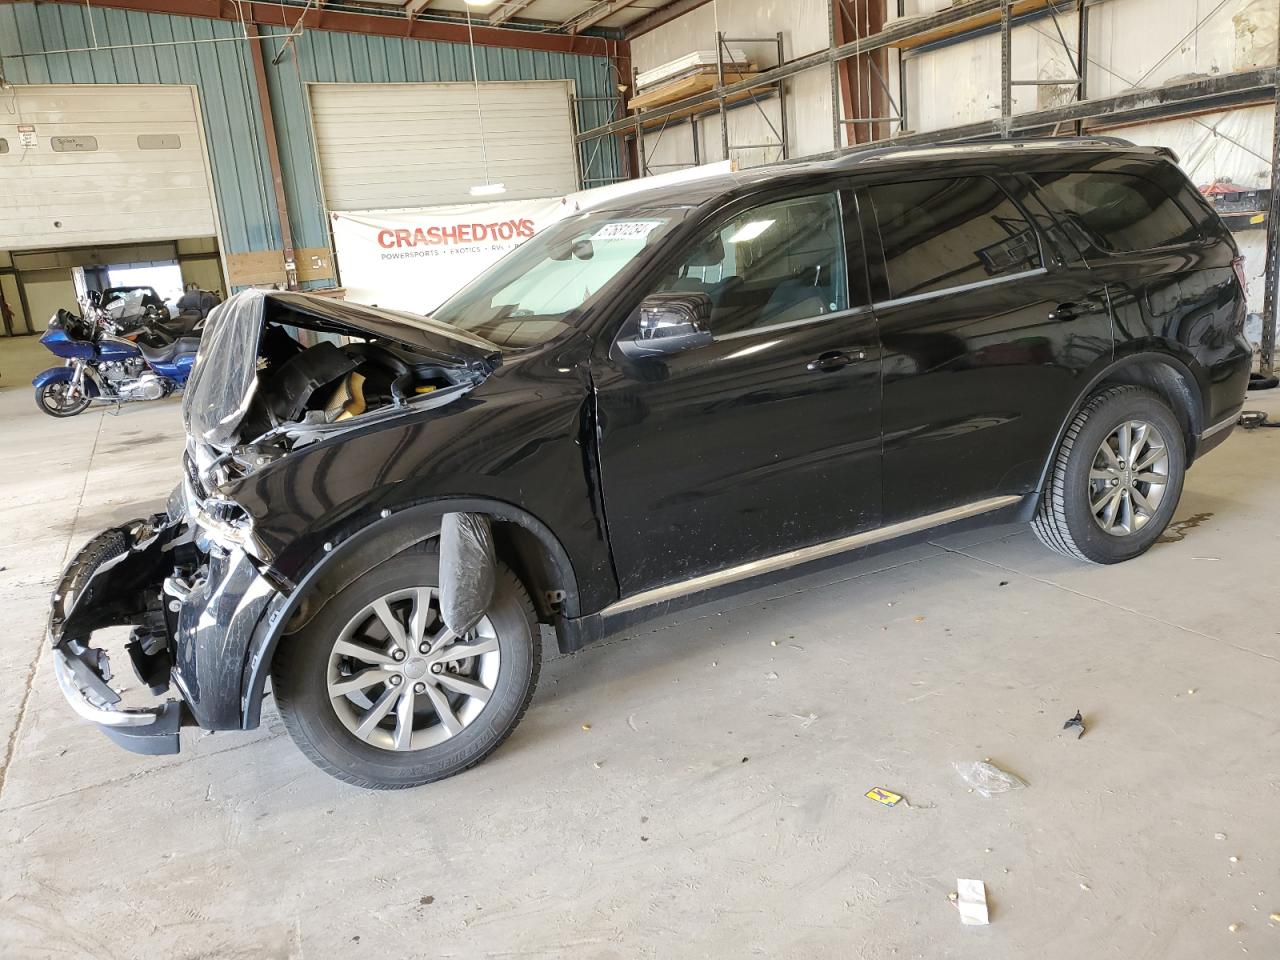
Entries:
{"x":225,"y":376}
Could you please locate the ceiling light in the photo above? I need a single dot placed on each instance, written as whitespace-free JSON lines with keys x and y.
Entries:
{"x":750,"y":231}
{"x":488,"y":189}
{"x":478,"y":3}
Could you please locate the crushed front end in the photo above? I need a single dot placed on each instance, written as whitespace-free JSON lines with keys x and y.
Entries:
{"x":194,"y":584}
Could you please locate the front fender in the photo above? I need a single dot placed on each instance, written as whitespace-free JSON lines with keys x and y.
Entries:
{"x":64,"y":374}
{"x":390,"y":534}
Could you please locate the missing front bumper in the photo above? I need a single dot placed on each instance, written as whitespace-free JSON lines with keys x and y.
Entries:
{"x":114,"y":580}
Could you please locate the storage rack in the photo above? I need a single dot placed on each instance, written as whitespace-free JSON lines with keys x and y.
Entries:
{"x":961,"y":20}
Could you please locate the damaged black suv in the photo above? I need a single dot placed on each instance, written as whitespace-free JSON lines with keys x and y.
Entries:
{"x":650,"y":403}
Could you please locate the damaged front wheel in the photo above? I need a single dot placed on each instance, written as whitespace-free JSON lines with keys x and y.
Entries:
{"x":376,"y":691}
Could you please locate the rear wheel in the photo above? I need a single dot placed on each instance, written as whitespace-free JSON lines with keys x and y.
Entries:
{"x":56,"y":400}
{"x":1116,"y":480}
{"x":376,"y":691}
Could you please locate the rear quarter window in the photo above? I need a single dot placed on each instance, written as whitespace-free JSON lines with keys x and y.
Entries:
{"x":1116,"y":212}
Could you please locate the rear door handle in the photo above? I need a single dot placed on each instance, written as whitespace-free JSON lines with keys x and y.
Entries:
{"x":1063,"y":311}
{"x":834,"y":360}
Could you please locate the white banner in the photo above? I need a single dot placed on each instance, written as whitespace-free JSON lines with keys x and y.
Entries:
{"x":416,"y":259}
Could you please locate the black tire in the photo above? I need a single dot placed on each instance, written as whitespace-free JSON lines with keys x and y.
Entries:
{"x":301,"y":668}
{"x":1064,"y":521}
{"x":47,"y":399}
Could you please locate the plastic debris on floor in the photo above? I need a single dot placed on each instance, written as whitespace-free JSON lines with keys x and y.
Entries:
{"x":988,"y":779}
{"x":1078,"y":722}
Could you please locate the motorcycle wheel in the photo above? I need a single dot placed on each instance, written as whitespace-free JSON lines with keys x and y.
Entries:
{"x":52,"y":399}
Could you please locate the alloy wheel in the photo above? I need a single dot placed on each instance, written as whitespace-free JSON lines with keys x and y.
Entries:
{"x":1128,"y":477}
{"x":399,"y":679}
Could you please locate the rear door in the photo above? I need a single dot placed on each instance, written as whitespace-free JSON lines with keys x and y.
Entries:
{"x":766,"y":439}
{"x":985,"y":332}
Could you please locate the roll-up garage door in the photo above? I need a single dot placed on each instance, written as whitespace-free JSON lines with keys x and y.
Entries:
{"x":85,"y":164}
{"x":393,"y":145}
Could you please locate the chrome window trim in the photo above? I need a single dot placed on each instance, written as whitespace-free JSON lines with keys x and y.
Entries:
{"x":789,"y":324}
{"x":782,"y":561}
{"x":963,"y":288}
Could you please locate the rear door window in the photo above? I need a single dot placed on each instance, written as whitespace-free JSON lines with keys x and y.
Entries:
{"x":1115,"y":212}
{"x":940,"y":234}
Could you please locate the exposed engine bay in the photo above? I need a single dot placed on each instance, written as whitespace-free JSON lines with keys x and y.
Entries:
{"x":278,"y":371}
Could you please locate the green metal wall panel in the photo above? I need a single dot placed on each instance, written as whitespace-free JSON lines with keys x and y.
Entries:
{"x":222,"y":72}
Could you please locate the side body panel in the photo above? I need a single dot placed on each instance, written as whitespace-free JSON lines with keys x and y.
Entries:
{"x":978,"y":378}
{"x":524,"y":437}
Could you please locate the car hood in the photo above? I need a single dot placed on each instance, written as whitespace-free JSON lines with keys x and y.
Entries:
{"x":224,"y":378}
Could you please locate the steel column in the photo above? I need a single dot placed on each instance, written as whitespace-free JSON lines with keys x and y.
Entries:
{"x":1006,"y":68}
{"x":273,"y":157}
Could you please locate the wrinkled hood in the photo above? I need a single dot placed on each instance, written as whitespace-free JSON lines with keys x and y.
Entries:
{"x":224,"y":378}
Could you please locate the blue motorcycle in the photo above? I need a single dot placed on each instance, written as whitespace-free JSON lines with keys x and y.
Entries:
{"x":103,"y":367}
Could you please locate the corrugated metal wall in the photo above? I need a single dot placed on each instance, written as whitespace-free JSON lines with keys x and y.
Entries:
{"x":223,"y":74}
{"x":326,"y":57}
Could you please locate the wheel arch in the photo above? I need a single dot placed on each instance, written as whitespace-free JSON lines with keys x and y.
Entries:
{"x":1168,"y":376}
{"x":522,"y":541}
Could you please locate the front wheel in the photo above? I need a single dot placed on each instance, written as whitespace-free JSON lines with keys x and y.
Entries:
{"x":1116,"y":479}
{"x":56,"y":400}
{"x":376,"y":691}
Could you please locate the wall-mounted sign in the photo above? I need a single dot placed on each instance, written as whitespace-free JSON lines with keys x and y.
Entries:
{"x":27,"y":134}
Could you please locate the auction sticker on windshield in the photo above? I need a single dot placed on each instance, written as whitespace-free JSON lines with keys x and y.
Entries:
{"x":627,"y":230}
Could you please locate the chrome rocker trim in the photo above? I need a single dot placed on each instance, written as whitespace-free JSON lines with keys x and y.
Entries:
{"x":781,"y":561}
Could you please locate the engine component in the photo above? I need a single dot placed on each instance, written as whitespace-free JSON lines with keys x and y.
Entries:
{"x":146,"y":387}
{"x":113,"y":371}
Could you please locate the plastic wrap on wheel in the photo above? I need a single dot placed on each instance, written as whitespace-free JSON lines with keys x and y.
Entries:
{"x":224,"y":377}
{"x":466,"y":570}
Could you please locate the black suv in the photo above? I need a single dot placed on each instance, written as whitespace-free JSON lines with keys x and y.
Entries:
{"x":651,"y":403}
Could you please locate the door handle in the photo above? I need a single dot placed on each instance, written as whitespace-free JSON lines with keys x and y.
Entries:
{"x":1063,"y":311}
{"x":834,"y":360}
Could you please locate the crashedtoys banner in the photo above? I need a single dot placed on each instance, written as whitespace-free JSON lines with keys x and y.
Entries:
{"x":416,"y":259}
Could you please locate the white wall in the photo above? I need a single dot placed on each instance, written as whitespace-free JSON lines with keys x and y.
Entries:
{"x":804,"y":25}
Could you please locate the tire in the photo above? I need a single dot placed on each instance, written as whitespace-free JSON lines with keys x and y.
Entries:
{"x":1082,"y":474}
{"x":48,"y":400}
{"x":325,"y":726}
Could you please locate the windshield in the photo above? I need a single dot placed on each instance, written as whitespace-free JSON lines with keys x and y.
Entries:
{"x":532,"y":295}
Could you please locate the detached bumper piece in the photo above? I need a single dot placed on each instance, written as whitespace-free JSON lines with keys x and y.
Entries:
{"x":116,"y":580}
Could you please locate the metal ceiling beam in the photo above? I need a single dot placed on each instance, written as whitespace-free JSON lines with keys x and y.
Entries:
{"x":660,"y":16}
{"x":413,"y":6}
{"x":601,"y":11}
{"x":506,"y":11}
{"x":395,"y":24}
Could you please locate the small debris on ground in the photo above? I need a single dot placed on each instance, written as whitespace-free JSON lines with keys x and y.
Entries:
{"x":1192,"y":691}
{"x":598,"y":764}
{"x":1085,"y":887}
{"x":1004,"y":583}
{"x":586,"y":726}
{"x":771,"y":675}
{"x":987,"y":778}
{"x":1076,"y":721}
{"x":881,"y":795}
{"x":919,"y":619}
{"x":631,"y":722}
{"x":427,"y":901}
{"x":1234,"y":859}
{"x":1233,"y":927}
{"x":1274,"y":918}
{"x":971,"y":901}
{"x":773,"y":643}
{"x":1219,"y":836}
{"x":745,"y":759}
{"x":805,"y":722}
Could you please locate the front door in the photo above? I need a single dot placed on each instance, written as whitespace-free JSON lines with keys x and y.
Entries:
{"x":986,"y":337}
{"x":766,"y":439}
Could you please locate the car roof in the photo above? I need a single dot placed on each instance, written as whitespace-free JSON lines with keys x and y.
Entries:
{"x":693,"y":193}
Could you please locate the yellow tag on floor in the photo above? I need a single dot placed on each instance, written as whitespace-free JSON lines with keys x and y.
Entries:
{"x":881,"y":795}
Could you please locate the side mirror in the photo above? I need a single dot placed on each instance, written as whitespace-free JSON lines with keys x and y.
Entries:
{"x":669,"y":323}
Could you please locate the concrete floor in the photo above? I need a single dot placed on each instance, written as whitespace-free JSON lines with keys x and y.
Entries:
{"x":715,"y":806}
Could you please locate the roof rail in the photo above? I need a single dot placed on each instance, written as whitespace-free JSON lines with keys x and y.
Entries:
{"x":978,"y":146}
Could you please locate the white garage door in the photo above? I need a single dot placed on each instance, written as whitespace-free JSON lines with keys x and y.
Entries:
{"x":383,"y":146}
{"x":102,"y":164}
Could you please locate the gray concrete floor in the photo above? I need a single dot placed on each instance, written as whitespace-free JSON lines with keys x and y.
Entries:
{"x":705,"y":812}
